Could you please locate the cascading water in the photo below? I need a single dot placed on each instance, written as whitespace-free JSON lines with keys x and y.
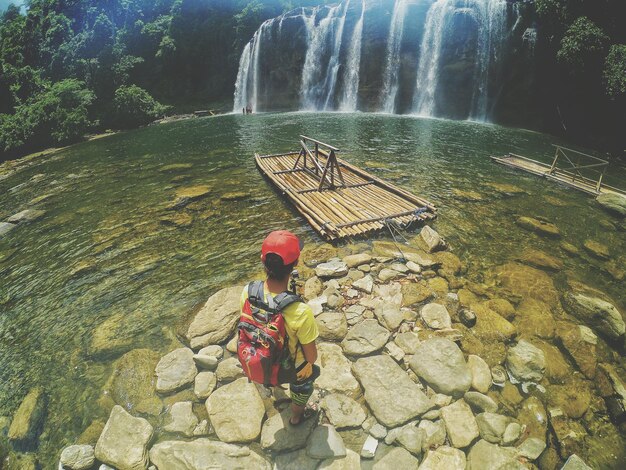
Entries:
{"x":441,"y":57}
{"x":391,"y":77}
{"x":353,"y":69}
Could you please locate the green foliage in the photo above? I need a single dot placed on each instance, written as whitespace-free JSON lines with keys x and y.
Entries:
{"x":133,"y":106}
{"x":582,"y":46}
{"x":615,"y":71}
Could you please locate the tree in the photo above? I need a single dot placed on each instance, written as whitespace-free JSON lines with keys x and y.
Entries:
{"x":582,"y":46}
{"x":615,"y":72}
{"x":133,"y":106}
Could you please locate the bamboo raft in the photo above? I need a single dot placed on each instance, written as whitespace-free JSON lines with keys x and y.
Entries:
{"x":338,"y":199}
{"x":570,"y":175}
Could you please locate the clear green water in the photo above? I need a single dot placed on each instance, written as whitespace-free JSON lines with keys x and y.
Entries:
{"x":107,"y":198}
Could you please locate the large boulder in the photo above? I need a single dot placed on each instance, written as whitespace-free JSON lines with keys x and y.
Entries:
{"x":460,"y":424}
{"x":332,"y":326}
{"x":217,"y":319}
{"x":175,"y":370}
{"x":596,"y":312}
{"x":365,"y":338}
{"x":526,"y":362}
{"x":236,"y":411}
{"x":205,"y":453}
{"x":391,"y":395}
{"x":441,"y":364}
{"x":28,"y":420}
{"x":524,"y":281}
{"x":124,"y":441}
{"x":335,"y":371}
{"x":278,"y":435}
{"x":613,"y":203}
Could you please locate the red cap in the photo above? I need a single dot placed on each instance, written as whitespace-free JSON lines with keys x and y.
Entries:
{"x":284,"y":244}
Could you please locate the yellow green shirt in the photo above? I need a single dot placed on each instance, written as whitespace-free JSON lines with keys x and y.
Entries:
{"x":299,"y":323}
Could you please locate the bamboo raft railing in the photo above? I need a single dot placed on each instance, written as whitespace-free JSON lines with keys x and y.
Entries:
{"x":338,"y":199}
{"x":571,"y":174}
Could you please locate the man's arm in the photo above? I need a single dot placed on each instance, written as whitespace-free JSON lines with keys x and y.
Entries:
{"x":310,"y":352}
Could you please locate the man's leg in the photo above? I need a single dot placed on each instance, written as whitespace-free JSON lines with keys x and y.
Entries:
{"x":301,"y":391}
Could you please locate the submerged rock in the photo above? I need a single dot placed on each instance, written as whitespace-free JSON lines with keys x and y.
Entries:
{"x":391,"y":395}
{"x":296,"y":460}
{"x":526,"y":282}
{"x":580,"y":343}
{"x":28,"y":420}
{"x":111,"y":338}
{"x":217,"y":319}
{"x":25,"y":216}
{"x":541,"y":260}
{"x":205,"y":453}
{"x":574,"y":462}
{"x":540,"y":227}
{"x":597,"y":249}
{"x":123,"y":449}
{"x":613,"y":203}
{"x":597,"y":313}
{"x":613,"y":390}
{"x":5,"y":228}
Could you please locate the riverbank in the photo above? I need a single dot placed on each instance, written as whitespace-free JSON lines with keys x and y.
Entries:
{"x":419,"y":367}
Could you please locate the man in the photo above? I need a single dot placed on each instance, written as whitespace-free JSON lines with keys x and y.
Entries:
{"x":280,"y":253}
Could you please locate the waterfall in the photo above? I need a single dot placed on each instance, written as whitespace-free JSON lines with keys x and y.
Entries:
{"x":352,"y":71}
{"x":430,"y":51}
{"x":391,"y":77}
{"x":241,"y":85}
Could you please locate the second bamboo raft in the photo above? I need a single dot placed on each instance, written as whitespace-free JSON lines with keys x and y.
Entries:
{"x":338,"y":199}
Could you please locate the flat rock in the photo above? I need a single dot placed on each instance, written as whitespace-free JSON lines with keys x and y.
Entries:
{"x":535,"y":319}
{"x":574,"y":462}
{"x":5,"y":228}
{"x":353,"y":261}
{"x":444,"y":457}
{"x":120,"y":448}
{"x":216,"y":321}
{"x":540,"y":227}
{"x":204,"y":454}
{"x":460,"y":424}
{"x":432,"y":239}
{"x":333,"y":268}
{"x":396,"y":458}
{"x":441,"y":364}
{"x":386,"y":275}
{"x":352,"y":461}
{"x":336,"y":375}
{"x":25,"y":216}
{"x":389,"y":315}
{"x":175,"y":370}
{"x":486,"y":456}
{"x":597,"y":249}
{"x":296,"y":460}
{"x":368,"y":451}
{"x":204,"y":384}
{"x":182,"y":419}
{"x":531,"y":448}
{"x":78,"y":457}
{"x":228,"y":404}
{"x":481,"y":374}
{"x":365,"y":284}
{"x":325,"y":443}
{"x":365,"y":338}
{"x":111,"y":338}
{"x":391,"y":395}
{"x":28,"y":420}
{"x":332,"y":326}
{"x":342,"y":411}
{"x":527,"y":282}
{"x":541,"y":260}
{"x":278,"y":435}
{"x":597,"y":313}
{"x":525,"y":362}
{"x":436,"y":316}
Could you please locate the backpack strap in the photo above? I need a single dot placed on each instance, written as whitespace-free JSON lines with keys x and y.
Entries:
{"x":284,"y":299}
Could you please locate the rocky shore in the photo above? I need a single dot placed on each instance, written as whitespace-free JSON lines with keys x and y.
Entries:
{"x":421,"y":368}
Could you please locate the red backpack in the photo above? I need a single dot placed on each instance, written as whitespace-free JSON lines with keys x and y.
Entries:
{"x":262,"y":346}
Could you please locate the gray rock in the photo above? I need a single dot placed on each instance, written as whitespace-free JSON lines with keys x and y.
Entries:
{"x":441,"y":364}
{"x":228,"y":370}
{"x":278,"y":435}
{"x":394,"y":351}
{"x":407,"y":341}
{"x":317,"y":304}
{"x":214,"y":350}
{"x":365,"y":284}
{"x":433,"y":434}
{"x":333,"y":268}
{"x":342,"y":411}
{"x":175,"y":370}
{"x":354,"y":314}
{"x":432,"y":415}
{"x":204,"y":384}
{"x":120,"y":448}
{"x":332,"y":326}
{"x":369,"y":448}
{"x":378,"y":431}
{"x":296,"y":460}
{"x":526,"y":362}
{"x":335,"y":375}
{"x":205,"y":453}
{"x":28,"y":420}
{"x":396,"y":458}
{"x":467,"y":317}
{"x":597,"y":313}
{"x":217,"y":319}
{"x":353,"y":261}
{"x":182,"y":419}
{"x":391,"y":395}
{"x":202,"y":429}
{"x":205,"y":362}
{"x":365,"y":338}
{"x":228,"y":404}
{"x":411,"y":438}
{"x":574,"y":462}
{"x":25,"y":216}
{"x":389,"y":315}
{"x":351,"y":461}
{"x":479,"y":402}
{"x":613,"y":203}
{"x":325,"y":443}
{"x":512,"y":433}
{"x":492,"y":426}
{"x":313,"y":287}
{"x":5,"y":228}
{"x":460,"y":424}
{"x":481,"y":374}
{"x":444,"y":457}
{"x":531,"y":448}
{"x":78,"y":457}
{"x":436,"y":316}
{"x":486,"y":456}
{"x":386,"y":274}
{"x":432,"y":239}
{"x":413,"y":267}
